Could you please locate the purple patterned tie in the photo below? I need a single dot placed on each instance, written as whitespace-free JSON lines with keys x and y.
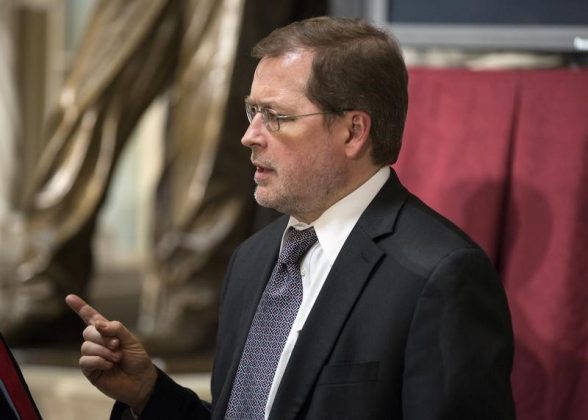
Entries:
{"x":269,"y":330}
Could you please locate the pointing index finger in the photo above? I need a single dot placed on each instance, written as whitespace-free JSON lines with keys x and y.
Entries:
{"x":88,"y":314}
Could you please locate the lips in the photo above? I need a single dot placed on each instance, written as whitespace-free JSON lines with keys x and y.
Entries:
{"x":261,"y":170}
{"x":261,"y":166}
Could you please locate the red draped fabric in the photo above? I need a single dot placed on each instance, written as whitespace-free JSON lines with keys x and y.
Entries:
{"x":504,"y":154}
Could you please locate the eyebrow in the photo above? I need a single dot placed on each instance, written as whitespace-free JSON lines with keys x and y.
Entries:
{"x":269,"y":105}
{"x":281,"y":108}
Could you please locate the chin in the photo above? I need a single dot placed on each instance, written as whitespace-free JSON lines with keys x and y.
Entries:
{"x":261,"y":197}
{"x":265,"y":199}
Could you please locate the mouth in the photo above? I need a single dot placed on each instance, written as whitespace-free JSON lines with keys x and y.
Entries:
{"x":260,"y":166}
{"x":261,"y":170}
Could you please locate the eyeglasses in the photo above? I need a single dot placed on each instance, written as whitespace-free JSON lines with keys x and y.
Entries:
{"x":271,"y":119}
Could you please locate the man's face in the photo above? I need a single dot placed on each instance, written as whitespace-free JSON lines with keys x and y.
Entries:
{"x":300,"y":169}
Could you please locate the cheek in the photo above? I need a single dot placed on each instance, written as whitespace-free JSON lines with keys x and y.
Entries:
{"x":307,"y":156}
{"x":294,"y":167}
{"x":312,"y":165}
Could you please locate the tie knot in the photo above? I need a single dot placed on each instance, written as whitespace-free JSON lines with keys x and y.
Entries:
{"x":296,"y":243}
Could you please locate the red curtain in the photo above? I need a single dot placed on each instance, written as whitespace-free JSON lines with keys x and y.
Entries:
{"x":504,"y":154}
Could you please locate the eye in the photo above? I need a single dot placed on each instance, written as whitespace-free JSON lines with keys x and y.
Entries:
{"x":271,"y":114}
{"x":251,"y":110}
{"x":272,"y":119}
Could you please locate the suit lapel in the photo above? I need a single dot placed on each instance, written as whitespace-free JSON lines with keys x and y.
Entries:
{"x":343,"y":287}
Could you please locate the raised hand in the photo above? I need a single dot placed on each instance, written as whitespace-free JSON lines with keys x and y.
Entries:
{"x":113,"y":359}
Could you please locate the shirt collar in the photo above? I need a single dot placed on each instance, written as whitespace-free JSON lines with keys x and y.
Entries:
{"x":335,"y":224}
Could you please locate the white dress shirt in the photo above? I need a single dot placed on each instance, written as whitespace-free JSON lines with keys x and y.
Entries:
{"x":332,"y":229}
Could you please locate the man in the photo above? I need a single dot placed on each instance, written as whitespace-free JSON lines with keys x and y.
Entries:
{"x":402,"y":315}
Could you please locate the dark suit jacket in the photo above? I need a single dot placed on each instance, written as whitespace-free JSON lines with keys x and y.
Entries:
{"x":412,"y":323}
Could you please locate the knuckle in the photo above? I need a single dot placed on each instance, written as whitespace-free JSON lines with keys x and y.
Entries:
{"x":117,"y":325}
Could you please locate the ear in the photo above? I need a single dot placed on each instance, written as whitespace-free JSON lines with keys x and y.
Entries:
{"x":357,"y":143}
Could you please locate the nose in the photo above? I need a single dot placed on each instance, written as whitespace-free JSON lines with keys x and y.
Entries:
{"x":254,"y":135}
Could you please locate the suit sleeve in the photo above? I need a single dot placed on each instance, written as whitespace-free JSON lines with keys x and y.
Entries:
{"x":169,"y":400}
{"x":460,"y":345}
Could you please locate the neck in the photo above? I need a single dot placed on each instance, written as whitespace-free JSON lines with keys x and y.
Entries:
{"x":353,"y":183}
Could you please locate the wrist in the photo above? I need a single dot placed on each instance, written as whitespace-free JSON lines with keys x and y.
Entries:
{"x":144,"y":393}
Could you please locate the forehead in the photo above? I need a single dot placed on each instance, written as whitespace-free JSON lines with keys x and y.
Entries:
{"x":282,"y":78}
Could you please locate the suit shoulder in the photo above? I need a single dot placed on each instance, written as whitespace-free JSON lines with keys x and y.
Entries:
{"x":423,"y":237}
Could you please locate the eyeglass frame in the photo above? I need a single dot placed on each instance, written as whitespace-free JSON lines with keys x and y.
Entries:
{"x":269,"y":115}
